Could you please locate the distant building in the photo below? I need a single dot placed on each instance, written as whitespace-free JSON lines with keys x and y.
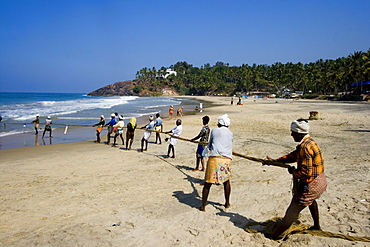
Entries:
{"x":165,"y":74}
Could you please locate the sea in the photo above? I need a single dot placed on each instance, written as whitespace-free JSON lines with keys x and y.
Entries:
{"x":75,"y":110}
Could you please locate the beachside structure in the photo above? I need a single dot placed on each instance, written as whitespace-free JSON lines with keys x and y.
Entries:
{"x":361,"y":87}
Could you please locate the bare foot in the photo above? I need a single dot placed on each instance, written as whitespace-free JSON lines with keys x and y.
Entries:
{"x":202,"y":209}
{"x":195,"y":169}
{"x":314,"y":228}
{"x":227,"y":205}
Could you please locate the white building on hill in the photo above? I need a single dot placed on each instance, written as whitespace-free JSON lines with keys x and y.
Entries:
{"x":168,"y":73}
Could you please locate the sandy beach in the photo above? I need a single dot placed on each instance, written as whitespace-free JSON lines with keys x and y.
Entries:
{"x":88,"y":194}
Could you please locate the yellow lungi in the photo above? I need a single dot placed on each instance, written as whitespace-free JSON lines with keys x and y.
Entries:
{"x":217,"y":170}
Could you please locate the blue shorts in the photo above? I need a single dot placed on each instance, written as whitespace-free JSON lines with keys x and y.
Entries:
{"x":200,"y":151}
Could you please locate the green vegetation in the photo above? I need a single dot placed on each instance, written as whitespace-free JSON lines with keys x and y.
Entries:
{"x":315,"y":78}
{"x":137,"y":89}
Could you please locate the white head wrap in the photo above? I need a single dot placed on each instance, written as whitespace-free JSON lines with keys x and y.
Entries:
{"x":151,"y":117}
{"x":300,"y":126}
{"x":224,"y":120}
{"x":102,"y":116}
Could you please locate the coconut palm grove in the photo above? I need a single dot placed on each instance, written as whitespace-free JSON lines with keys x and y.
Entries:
{"x":324,"y":77}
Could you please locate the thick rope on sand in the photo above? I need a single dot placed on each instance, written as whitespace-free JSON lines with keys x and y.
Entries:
{"x":269,"y":226}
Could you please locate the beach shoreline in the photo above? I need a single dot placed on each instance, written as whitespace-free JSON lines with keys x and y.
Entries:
{"x":89,"y":194}
{"x":75,"y":134}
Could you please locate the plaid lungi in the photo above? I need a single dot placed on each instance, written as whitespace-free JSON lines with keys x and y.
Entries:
{"x":307,"y":193}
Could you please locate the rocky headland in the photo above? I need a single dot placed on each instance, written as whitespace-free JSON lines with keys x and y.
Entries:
{"x":134,"y":88}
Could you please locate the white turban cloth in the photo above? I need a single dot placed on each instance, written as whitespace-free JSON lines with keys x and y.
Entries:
{"x":224,"y":120}
{"x":300,"y":126}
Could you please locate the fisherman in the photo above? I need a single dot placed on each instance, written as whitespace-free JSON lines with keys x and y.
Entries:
{"x":309,"y":178}
{"x":173,"y":140}
{"x":217,"y":172}
{"x":203,"y":135}
{"x":119,"y":130}
{"x":147,"y":134}
{"x":110,"y":126}
{"x":130,"y":133}
{"x":158,"y":126}
{"x":36,"y":122}
{"x":99,"y":128}
{"x":48,"y":123}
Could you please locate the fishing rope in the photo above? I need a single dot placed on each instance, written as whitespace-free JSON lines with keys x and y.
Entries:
{"x":263,"y":161}
{"x":270,"y":225}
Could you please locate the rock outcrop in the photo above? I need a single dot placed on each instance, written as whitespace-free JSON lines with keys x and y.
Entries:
{"x":134,"y":88}
{"x":121,"y":88}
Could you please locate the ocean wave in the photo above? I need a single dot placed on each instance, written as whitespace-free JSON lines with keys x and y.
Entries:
{"x":76,"y":118}
{"x":23,"y":112}
{"x":14,"y":132}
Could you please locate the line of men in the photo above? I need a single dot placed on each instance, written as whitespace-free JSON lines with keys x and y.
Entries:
{"x":116,"y":126}
{"x":309,"y":176}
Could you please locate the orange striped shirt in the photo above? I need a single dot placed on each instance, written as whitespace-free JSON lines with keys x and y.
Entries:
{"x":310,"y":162}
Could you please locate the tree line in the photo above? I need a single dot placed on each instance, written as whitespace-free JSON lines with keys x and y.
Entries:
{"x":320,"y":77}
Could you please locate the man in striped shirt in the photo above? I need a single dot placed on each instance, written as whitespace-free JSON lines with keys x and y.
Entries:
{"x":309,"y":177}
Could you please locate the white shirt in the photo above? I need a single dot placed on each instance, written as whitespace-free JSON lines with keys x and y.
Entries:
{"x":221,"y":142}
{"x":176,"y":132}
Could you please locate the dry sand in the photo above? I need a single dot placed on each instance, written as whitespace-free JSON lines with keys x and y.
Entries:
{"x":86,"y":194}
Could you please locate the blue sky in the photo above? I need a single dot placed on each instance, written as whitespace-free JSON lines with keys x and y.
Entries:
{"x":82,"y":45}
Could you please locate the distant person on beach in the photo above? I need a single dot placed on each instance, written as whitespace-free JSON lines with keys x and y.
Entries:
{"x":170,"y":111}
{"x":36,"y":122}
{"x":232,"y":101}
{"x":110,"y":126}
{"x":239,"y":101}
{"x":173,"y":140}
{"x":309,"y":177}
{"x":147,"y":134}
{"x":1,"y":118}
{"x":99,"y":128}
{"x":203,"y":135}
{"x":158,"y":126}
{"x":218,"y":166}
{"x":48,"y":123}
{"x":130,"y":132}
{"x":179,"y":111}
{"x":118,"y":131}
